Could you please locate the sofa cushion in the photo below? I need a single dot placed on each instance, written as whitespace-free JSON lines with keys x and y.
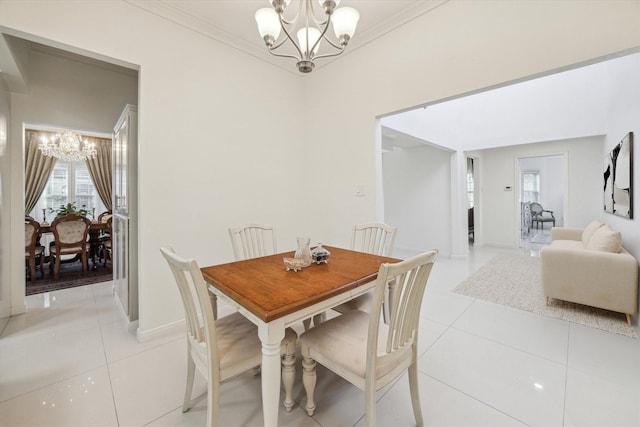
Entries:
{"x":606,"y":240}
{"x":589,"y":230}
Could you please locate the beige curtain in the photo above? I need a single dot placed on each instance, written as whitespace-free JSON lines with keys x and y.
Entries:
{"x":37,"y":169}
{"x":100,"y":169}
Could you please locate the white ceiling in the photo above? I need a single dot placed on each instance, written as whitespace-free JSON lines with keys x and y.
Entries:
{"x":232,"y":21}
{"x":570,"y":104}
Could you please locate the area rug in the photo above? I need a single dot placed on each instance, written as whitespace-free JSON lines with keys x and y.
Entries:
{"x":541,"y":238}
{"x":514,"y":281}
{"x":70,"y":277}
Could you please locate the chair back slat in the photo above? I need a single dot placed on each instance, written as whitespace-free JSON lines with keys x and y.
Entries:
{"x":407,"y":281}
{"x":374,"y":238}
{"x":406,"y":312}
{"x":253,"y":241}
{"x":195,"y":300}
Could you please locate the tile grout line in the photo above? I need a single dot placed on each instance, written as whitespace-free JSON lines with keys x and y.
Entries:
{"x":106,"y":359}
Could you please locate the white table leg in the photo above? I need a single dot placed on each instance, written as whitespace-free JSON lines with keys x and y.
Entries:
{"x":271,"y":335}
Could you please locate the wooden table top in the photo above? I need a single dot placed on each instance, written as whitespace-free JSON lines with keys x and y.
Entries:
{"x":266,"y":289}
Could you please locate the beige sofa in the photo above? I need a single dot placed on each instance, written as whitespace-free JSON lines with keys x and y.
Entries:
{"x":589,"y":266}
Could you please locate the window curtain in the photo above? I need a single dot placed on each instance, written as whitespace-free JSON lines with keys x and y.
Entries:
{"x":37,"y":168}
{"x":100,"y":169}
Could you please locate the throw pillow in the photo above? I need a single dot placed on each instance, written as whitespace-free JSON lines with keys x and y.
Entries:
{"x":588,"y":231}
{"x":605,"y":240}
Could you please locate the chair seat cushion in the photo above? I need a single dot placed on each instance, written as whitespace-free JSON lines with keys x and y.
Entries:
{"x":238,"y":340}
{"x":343,"y":341}
{"x":66,"y":251}
{"x":362,"y":303}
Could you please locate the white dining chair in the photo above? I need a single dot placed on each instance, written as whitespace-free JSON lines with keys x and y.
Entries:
{"x":220,"y":348}
{"x":373,"y":238}
{"x":365,"y":351}
{"x":253,"y":241}
{"x":256,"y":240}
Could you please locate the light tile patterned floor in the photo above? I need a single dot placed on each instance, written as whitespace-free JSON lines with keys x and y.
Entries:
{"x":70,"y":361}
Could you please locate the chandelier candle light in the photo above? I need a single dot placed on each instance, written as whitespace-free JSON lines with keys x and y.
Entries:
{"x":67,"y":146}
{"x":310,"y":30}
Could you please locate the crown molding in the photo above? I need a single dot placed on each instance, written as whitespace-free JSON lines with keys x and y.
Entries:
{"x":182,"y":17}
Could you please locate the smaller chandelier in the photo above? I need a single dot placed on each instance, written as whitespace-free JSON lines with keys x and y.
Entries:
{"x":309,"y":30}
{"x":68,"y":146}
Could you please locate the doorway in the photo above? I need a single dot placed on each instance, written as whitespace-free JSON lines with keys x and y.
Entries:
{"x":542,"y":181}
{"x":472,"y":198}
{"x":95,"y":92}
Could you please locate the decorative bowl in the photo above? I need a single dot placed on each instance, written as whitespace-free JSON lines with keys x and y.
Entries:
{"x":294,"y":264}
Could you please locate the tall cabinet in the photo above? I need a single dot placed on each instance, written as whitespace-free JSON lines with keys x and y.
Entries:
{"x":124,"y":206}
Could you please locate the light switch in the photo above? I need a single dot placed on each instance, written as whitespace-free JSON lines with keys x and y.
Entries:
{"x":359,"y":190}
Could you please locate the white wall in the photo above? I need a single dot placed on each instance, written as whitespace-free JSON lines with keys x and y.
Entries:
{"x":5,"y":225}
{"x":416,"y":184}
{"x":218,"y":146}
{"x":498,"y":168}
{"x":624,"y":117}
{"x":552,"y":175}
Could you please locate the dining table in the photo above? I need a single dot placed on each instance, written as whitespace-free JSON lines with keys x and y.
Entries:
{"x":271,"y":297}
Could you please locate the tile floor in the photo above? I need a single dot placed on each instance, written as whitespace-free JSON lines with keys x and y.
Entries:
{"x":69,"y":361}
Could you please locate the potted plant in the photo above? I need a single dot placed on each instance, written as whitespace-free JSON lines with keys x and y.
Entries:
{"x":70,"y":208}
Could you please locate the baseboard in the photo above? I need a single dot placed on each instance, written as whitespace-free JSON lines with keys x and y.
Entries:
{"x":18,"y":309}
{"x":170,"y":329}
{"x":173,"y":328}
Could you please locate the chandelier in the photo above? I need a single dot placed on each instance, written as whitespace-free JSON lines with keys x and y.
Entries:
{"x":308,"y":29}
{"x":67,"y":146}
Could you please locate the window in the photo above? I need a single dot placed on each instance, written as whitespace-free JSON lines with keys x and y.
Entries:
{"x":531,"y":186}
{"x":69,"y":182}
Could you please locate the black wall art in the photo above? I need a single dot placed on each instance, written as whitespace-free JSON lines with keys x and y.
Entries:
{"x":618,"y":179}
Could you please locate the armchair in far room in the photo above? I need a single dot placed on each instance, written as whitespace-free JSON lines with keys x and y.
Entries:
{"x":539,"y":215}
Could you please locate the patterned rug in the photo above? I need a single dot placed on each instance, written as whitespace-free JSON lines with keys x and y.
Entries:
{"x":70,"y":277}
{"x":514,"y":281}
